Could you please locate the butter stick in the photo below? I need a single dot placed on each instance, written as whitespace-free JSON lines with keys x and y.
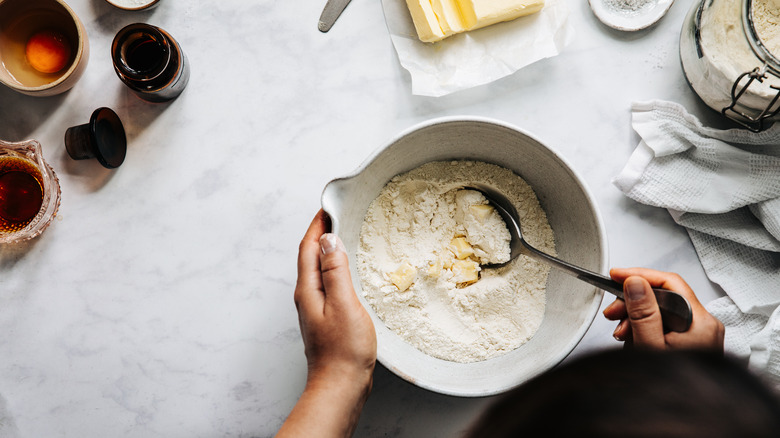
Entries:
{"x":449,"y":16}
{"x":425,"y":21}
{"x":435,"y":20}
{"x":481,"y":13}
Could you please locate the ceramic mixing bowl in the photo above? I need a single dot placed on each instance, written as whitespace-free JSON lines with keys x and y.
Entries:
{"x":571,"y":210}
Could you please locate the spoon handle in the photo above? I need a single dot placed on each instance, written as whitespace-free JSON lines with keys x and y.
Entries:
{"x":676,"y":312}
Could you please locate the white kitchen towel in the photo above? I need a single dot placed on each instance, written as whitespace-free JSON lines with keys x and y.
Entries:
{"x":727,"y":197}
{"x":723,"y":186}
{"x":752,"y":337}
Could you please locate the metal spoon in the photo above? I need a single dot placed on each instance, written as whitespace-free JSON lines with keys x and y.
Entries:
{"x":676,"y":312}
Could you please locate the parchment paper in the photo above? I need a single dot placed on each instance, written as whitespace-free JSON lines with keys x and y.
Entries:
{"x":476,"y":57}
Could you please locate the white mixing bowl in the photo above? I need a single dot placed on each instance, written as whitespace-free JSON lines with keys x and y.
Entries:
{"x":571,"y":211}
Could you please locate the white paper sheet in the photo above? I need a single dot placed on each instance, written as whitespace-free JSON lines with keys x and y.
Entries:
{"x":478,"y":57}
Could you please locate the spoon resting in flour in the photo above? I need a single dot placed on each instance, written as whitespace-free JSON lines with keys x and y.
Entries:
{"x":676,"y":311}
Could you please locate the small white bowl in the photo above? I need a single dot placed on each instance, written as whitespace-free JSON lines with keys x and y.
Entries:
{"x":134,"y":5}
{"x":571,"y":210}
{"x":617,"y":14}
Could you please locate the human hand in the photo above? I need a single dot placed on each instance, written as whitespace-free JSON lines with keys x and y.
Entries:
{"x":338,"y":338}
{"x":640,"y":320}
{"x":338,"y":335}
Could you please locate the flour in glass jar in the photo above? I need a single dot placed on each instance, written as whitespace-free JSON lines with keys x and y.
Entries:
{"x":422,"y":243}
{"x":766,"y":19}
{"x":724,"y":53}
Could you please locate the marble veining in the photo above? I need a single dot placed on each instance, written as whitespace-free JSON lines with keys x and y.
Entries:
{"x":159,"y":302}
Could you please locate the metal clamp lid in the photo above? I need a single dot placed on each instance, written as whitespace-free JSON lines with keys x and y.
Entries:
{"x":754,"y":123}
{"x":771,"y":65}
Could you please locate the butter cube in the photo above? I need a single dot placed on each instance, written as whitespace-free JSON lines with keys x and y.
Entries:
{"x":425,"y":21}
{"x":465,"y":272}
{"x":481,"y":212}
{"x":481,"y":13}
{"x":449,"y":16}
{"x":403,"y":277}
{"x":461,"y":248}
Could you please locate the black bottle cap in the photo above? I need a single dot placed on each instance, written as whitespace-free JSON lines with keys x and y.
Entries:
{"x":102,"y":138}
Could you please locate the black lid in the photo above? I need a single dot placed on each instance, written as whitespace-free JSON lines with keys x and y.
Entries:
{"x":103,"y":138}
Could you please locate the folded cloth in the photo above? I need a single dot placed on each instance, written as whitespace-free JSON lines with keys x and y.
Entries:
{"x":723,"y":186}
{"x":752,"y":337}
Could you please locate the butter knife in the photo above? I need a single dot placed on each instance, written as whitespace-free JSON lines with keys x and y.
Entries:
{"x":331,"y":13}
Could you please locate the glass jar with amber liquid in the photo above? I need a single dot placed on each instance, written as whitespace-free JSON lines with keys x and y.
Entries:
{"x":150,"y":62}
{"x":29,"y":191}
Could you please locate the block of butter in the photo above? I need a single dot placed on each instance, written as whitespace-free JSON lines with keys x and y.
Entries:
{"x":403,"y":277}
{"x":435,"y":20}
{"x":425,"y":21}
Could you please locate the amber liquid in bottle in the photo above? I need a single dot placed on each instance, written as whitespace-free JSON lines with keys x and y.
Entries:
{"x":145,"y":54}
{"x":149,"y":61}
{"x":21,"y":193}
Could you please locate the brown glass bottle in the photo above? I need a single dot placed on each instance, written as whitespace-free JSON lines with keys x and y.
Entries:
{"x":149,"y":61}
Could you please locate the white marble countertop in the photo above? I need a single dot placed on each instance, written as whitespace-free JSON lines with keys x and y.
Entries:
{"x":159,"y":302}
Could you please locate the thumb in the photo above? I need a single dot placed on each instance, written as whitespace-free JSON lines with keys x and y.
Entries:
{"x":643,"y":313}
{"x":334,"y":265}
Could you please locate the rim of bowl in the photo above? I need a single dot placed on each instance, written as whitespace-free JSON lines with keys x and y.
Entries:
{"x":594,"y":305}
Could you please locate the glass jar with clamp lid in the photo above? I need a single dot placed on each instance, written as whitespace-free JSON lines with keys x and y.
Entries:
{"x":730,"y":53}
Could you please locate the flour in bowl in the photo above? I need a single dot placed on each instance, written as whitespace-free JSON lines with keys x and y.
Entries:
{"x":421,"y":246}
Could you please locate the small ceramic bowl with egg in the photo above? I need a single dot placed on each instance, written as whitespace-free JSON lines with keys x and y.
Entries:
{"x":44,"y":48}
{"x":571,"y":304}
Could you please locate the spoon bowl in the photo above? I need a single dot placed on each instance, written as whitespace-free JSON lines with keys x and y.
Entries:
{"x":630,"y":15}
{"x":676,"y":311}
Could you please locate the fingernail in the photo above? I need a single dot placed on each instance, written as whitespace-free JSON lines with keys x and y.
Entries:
{"x":634,"y":288}
{"x":330,"y":242}
{"x":619,"y":327}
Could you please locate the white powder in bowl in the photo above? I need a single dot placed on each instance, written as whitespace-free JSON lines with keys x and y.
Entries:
{"x":421,"y":244}
{"x":132,"y":4}
{"x":628,"y":6}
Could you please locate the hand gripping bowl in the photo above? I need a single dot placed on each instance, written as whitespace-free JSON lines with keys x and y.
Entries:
{"x":579,"y":236}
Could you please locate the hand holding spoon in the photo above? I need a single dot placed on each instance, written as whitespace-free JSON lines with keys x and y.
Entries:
{"x":676,"y":312}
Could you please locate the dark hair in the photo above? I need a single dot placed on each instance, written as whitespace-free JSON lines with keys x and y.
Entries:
{"x":632,"y":393}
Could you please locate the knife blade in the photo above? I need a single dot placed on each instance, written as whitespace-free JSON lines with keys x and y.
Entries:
{"x":331,"y":13}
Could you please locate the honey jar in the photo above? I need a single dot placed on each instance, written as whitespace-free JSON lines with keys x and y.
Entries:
{"x":29,"y":191}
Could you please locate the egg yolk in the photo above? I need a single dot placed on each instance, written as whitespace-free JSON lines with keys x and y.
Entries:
{"x":48,"y":51}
